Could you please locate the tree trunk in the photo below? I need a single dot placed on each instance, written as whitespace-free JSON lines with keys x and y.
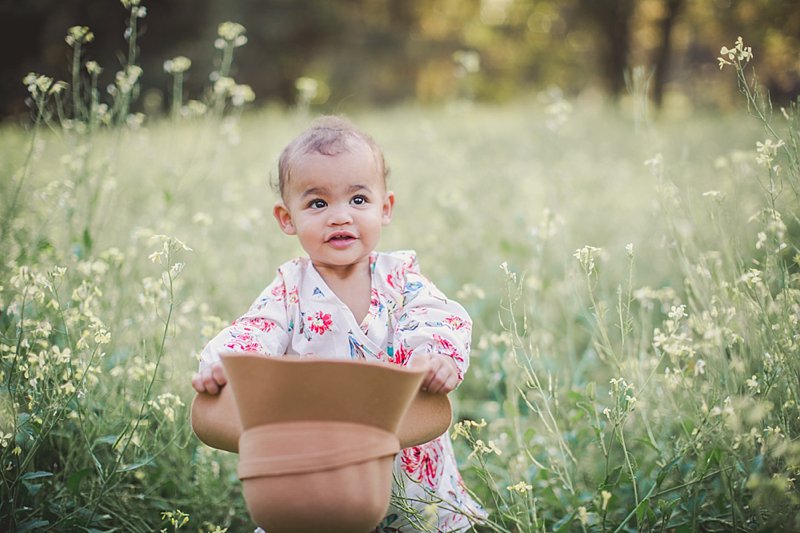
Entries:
{"x":612,"y":21}
{"x":664,"y":51}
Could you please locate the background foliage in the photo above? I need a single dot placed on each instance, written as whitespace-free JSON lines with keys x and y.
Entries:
{"x":389,"y":51}
{"x":634,"y":285}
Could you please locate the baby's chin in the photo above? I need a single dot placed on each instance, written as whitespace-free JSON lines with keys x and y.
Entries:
{"x":329,"y":263}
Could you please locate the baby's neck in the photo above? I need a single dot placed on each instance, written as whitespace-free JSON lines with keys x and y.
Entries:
{"x":352,"y":284}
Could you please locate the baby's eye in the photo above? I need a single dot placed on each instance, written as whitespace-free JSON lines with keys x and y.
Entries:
{"x":317,"y":204}
{"x":359,"y":200}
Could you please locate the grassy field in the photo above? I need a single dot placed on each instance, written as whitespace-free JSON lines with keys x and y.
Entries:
{"x":634,"y":286}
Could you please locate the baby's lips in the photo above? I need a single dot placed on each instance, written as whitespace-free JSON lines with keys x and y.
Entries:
{"x":341,"y":235}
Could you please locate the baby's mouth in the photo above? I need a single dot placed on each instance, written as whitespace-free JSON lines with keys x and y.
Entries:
{"x":341,"y":238}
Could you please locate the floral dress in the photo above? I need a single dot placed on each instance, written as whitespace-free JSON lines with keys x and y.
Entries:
{"x":298,"y":314}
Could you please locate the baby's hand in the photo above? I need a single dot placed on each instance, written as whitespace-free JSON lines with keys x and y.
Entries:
{"x":442,"y":376}
{"x":211,"y":379}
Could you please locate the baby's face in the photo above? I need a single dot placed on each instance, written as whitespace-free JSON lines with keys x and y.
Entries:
{"x":336,"y":205}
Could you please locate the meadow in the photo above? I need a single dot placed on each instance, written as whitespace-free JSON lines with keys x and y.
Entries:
{"x":633,"y":281}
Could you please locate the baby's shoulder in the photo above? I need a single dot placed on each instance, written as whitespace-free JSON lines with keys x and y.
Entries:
{"x":291,"y":272}
{"x":396,"y":269}
{"x":298,"y":263}
{"x":398,"y":260}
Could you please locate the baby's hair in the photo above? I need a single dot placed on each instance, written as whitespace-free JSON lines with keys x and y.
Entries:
{"x":327,"y":135}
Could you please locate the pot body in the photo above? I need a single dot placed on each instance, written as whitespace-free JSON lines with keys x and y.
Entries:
{"x":314,"y":476}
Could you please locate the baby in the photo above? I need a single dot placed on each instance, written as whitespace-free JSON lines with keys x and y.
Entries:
{"x":345,"y":300}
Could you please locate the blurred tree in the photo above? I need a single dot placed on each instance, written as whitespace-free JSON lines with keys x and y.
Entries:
{"x":672,"y":9}
{"x":382,"y":51}
{"x":771,"y":27}
{"x":284,"y":38}
{"x":35,"y":40}
{"x":612,"y":21}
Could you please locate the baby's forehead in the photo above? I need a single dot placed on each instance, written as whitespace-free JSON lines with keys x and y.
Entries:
{"x":328,"y":140}
{"x":359,"y":150}
{"x":333,"y":146}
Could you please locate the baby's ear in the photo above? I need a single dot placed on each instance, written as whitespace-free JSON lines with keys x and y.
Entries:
{"x":388,"y":205}
{"x":284,"y":218}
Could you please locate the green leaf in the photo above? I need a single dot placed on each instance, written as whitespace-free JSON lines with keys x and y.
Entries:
{"x":575,"y":397}
{"x":43,"y":245}
{"x":32,"y":488}
{"x":666,"y":469}
{"x":649,"y":443}
{"x":32,"y":524}
{"x":612,"y":479}
{"x":641,"y":510}
{"x":74,"y":479}
{"x":530,"y":433}
{"x":87,"y":240}
{"x":35,"y":475}
{"x":97,"y":465}
{"x":136,"y":465}
{"x":108,"y":439}
{"x":564,"y":523}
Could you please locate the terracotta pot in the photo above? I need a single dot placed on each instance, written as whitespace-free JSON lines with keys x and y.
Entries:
{"x":319,"y":436}
{"x":317,"y":476}
{"x":215,"y":418}
{"x":291,"y":388}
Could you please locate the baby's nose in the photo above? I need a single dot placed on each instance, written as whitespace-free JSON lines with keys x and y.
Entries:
{"x":339,"y":215}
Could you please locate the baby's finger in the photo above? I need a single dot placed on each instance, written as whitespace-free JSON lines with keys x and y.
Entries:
{"x":218,"y":373}
{"x":430,"y":377}
{"x":445,"y":385}
{"x":209,"y":383}
{"x":450,"y":384}
{"x":438,"y":380}
{"x":197,"y":382}
{"x":435,"y":387}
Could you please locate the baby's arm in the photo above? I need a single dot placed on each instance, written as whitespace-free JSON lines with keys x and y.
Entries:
{"x":434,"y":328}
{"x":263,"y":329}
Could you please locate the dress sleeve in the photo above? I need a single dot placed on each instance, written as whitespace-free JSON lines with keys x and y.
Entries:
{"x":429,"y":322}
{"x":263,"y":329}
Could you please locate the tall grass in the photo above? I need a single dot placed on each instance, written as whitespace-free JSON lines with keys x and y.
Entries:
{"x":634,"y":287}
{"x":657,"y":407}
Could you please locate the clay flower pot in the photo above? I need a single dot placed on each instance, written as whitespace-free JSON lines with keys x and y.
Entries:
{"x":317,"y":438}
{"x":215,"y":418}
{"x":317,"y":476}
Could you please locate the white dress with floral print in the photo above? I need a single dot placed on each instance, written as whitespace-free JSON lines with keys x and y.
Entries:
{"x":298,"y":314}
